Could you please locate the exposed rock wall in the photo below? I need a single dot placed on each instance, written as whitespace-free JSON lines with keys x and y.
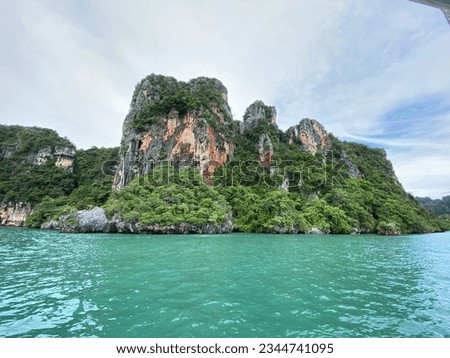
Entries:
{"x":189,"y":139}
{"x":64,"y":156}
{"x":258,"y":112}
{"x":14,"y":214}
{"x":186,"y":141}
{"x":95,"y":221}
{"x":265,"y":149}
{"x":36,"y":146}
{"x":312,"y":135}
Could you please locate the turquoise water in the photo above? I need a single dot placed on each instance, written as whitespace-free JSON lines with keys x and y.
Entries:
{"x":62,"y":285}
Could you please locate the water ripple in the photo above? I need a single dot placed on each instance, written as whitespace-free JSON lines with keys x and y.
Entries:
{"x":57,"y":285}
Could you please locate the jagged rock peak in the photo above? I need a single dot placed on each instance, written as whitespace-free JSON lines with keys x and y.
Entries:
{"x":155,"y":87}
{"x":312,"y":135}
{"x":258,"y":112}
{"x":183,"y":122}
{"x":158,"y":96}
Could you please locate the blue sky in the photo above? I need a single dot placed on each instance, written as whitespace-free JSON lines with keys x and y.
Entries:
{"x":375,"y":72}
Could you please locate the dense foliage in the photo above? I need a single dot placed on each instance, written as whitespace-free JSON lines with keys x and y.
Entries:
{"x":348,"y":188}
{"x":437,"y":206}
{"x":196,"y":96}
{"x":93,"y":172}
{"x":317,"y":191}
{"x":168,"y":197}
{"x":384,"y":196}
{"x":20,"y":178}
{"x":22,"y":141}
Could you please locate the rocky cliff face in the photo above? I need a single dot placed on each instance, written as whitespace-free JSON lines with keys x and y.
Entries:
{"x":95,"y":221}
{"x":64,"y":156}
{"x":14,"y":214}
{"x":299,"y":181}
{"x":34,"y":163}
{"x":189,"y":131}
{"x":36,"y":146}
{"x":257,"y":113}
{"x":265,"y":149}
{"x":312,"y":135}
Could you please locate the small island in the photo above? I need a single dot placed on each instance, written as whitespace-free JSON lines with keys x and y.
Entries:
{"x":185,"y":165}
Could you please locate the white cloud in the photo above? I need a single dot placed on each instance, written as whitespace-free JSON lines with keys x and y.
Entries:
{"x":386,"y":58}
{"x":423,"y":175}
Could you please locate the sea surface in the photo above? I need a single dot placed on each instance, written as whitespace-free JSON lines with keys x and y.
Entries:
{"x":235,"y":285}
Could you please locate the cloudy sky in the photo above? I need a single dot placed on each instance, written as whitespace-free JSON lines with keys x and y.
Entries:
{"x":375,"y":72}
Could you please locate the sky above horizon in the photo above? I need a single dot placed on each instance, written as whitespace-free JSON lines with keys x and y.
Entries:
{"x":374,"y":72}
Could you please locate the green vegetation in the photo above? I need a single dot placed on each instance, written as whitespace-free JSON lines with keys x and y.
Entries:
{"x":322,"y":192}
{"x":383,"y":196}
{"x":263,"y":209}
{"x":20,"y":178}
{"x":167,"y":197}
{"x":21,"y":141}
{"x":446,"y":219}
{"x":93,"y":173}
{"x":196,"y":96}
{"x":349,"y":188}
{"x":439,"y":207}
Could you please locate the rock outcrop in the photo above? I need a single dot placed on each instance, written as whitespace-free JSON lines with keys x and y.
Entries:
{"x":15,"y":214}
{"x":390,"y":229}
{"x":85,"y":221}
{"x":258,"y":112}
{"x":286,"y":230}
{"x":36,"y":146}
{"x":160,"y":128}
{"x":96,"y":221}
{"x":64,"y":156}
{"x":312,"y":135}
{"x":315,"y":231}
{"x":265,"y":150}
{"x":184,"y":228}
{"x":353,"y":170}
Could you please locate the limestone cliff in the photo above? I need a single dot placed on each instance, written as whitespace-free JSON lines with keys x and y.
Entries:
{"x":185,"y":123}
{"x":258,"y":113}
{"x":36,"y":146}
{"x":14,"y":214}
{"x":265,"y":179}
{"x":34,"y":163}
{"x":64,"y":156}
{"x":258,"y":116}
{"x":265,"y":150}
{"x":312,"y":135}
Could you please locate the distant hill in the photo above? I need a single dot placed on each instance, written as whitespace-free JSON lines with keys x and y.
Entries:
{"x":437,"y":206}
